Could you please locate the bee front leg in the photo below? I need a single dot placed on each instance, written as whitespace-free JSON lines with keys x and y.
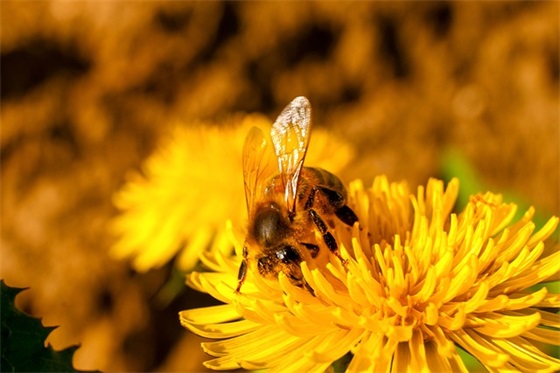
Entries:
{"x":242,"y":271}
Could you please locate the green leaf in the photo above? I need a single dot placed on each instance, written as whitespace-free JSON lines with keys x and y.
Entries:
{"x":23,"y":340}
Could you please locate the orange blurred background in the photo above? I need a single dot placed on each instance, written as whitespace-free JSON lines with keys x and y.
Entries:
{"x":88,"y":88}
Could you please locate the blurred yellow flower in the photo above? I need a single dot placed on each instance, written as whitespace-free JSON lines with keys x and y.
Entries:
{"x":191,"y":186}
{"x":419,"y":281}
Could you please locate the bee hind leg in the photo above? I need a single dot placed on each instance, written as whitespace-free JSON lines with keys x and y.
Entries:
{"x":338,"y":202}
{"x":346,"y":215}
{"x":336,"y":199}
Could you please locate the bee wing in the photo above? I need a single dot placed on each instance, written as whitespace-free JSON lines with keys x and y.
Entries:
{"x":258,"y":166}
{"x":290,"y":136}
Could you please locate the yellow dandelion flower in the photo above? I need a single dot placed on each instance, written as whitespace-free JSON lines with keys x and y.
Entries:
{"x":190,"y":186}
{"x":418,"y":281}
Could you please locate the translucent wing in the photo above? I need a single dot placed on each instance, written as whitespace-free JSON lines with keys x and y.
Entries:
{"x":290,"y":136}
{"x":258,"y":166}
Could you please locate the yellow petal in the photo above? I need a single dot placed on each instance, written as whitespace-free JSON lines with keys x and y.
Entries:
{"x":431,"y":314}
{"x":210,"y":315}
{"x":223,"y":330}
{"x":219,"y":285}
{"x":540,"y":271}
{"x":479,"y":348}
{"x":520,"y":301}
{"x":427,"y":287}
{"x":335,"y":345}
{"x":455,"y":321}
{"x":324,"y":288}
{"x":549,"y":301}
{"x":510,"y":248}
{"x":366,"y":354}
{"x":417,"y":349}
{"x":222,"y":363}
{"x":547,"y":318}
{"x":440,"y":340}
{"x":474,"y":301}
{"x":494,"y":304}
{"x":249,"y":345}
{"x":401,"y":360}
{"x":463,"y":279}
{"x":443,"y":363}
{"x":498,"y":325}
{"x":550,"y":336}
{"x":525,"y":356}
{"x":546,"y":231}
{"x":524,"y":260}
{"x":319,"y":352}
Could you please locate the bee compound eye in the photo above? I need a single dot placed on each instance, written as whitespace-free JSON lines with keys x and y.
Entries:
{"x":288,"y":254}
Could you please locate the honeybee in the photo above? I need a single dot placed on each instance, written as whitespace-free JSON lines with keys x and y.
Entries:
{"x":288,"y":203}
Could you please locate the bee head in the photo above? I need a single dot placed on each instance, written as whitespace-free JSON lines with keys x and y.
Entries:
{"x":285,"y":258}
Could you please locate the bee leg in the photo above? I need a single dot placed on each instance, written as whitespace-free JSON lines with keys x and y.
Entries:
{"x":341,"y":210}
{"x":241,"y":275}
{"x":312,"y":248}
{"x":301,"y":283}
{"x":290,"y":256}
{"x":311,"y":199}
{"x":242,"y":271}
{"x":327,"y":236}
{"x":346,"y":215}
{"x":335,"y":198}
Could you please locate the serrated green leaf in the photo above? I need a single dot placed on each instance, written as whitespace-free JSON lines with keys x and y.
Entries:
{"x":23,"y":340}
